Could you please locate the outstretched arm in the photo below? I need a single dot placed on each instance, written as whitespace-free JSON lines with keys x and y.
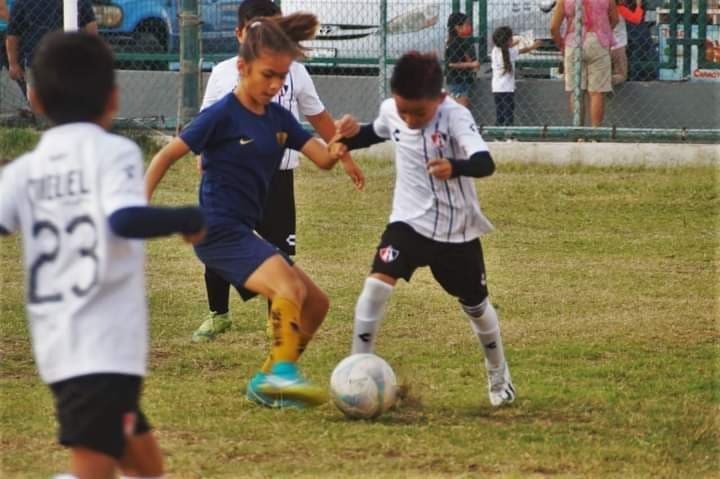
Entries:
{"x":365,"y":137}
{"x":161,"y":162}
{"x":325,"y":126}
{"x":152,"y":222}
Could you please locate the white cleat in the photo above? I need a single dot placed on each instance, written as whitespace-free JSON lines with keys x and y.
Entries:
{"x":500,"y":388}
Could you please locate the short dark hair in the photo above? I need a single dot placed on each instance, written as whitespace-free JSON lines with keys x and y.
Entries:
{"x":250,"y":9}
{"x":417,"y":76}
{"x":73,"y":76}
{"x":455,"y":19}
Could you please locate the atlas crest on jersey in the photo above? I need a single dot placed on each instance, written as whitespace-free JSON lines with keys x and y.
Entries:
{"x":439,"y":139}
{"x":388,"y":254}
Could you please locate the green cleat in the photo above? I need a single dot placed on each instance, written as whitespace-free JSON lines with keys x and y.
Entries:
{"x":215,"y":325}
{"x":284,"y":383}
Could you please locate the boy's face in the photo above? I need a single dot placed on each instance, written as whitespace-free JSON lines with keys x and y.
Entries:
{"x":417,"y":113}
{"x":263,"y":77}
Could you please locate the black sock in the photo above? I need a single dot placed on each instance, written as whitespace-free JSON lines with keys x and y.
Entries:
{"x":218,"y":292}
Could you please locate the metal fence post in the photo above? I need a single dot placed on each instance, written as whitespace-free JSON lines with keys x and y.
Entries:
{"x":383,"y":50}
{"x":578,"y":107}
{"x":189,"y":62}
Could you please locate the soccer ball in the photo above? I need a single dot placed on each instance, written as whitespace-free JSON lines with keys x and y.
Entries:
{"x":363,"y":386}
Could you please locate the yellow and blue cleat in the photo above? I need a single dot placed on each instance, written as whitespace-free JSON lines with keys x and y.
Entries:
{"x":284,"y":383}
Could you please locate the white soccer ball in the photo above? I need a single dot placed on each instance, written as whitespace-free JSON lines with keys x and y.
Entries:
{"x":363,"y":386}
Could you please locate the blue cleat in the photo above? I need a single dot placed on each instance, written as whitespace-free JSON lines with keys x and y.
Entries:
{"x":254,"y":395}
{"x":284,"y":383}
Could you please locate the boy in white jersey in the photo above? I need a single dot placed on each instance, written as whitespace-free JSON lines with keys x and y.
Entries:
{"x":277,"y":225}
{"x":436,"y":219}
{"x":78,"y":200}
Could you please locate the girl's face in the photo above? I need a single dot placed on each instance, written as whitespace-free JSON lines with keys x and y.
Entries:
{"x":464,"y":30}
{"x":262,"y":78}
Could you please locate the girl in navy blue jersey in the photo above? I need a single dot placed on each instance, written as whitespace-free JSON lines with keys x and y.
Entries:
{"x":242,"y":139}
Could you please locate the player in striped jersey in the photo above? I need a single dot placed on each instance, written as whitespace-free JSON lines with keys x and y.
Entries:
{"x":436,"y":219}
{"x":277,"y":225}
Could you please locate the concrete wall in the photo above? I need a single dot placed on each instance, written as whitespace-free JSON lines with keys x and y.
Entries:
{"x":538,"y":102}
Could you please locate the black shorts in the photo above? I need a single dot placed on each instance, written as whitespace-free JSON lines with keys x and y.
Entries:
{"x":458,"y":267}
{"x":278,"y":222}
{"x":99,"y":411}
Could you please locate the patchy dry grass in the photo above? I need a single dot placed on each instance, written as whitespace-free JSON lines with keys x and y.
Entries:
{"x":607,"y":284}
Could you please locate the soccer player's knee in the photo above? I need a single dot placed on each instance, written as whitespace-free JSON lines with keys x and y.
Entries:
{"x":293,"y":290}
{"x":475,"y":307}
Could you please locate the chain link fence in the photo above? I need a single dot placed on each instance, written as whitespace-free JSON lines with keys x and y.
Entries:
{"x":165,"y":49}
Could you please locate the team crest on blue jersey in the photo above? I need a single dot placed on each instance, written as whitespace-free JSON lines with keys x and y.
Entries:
{"x":281,"y":137}
{"x":388,"y":254}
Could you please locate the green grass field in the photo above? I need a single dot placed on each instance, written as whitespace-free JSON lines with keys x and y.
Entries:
{"x":606,"y":281}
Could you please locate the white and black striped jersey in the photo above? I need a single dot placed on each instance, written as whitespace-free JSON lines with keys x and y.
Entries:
{"x":446,"y":211}
{"x":298,"y":95}
{"x":85,"y":286}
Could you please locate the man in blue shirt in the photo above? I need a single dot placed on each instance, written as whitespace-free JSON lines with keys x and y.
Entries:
{"x":29,"y":21}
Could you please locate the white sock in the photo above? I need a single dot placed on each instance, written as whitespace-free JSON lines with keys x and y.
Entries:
{"x":64,"y":476}
{"x":369,"y":312}
{"x":485,"y":325}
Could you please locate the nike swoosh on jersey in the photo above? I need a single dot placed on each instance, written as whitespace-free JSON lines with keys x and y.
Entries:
{"x":245,"y":141}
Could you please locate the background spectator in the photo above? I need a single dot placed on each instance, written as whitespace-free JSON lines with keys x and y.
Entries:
{"x":618,"y":52}
{"x":461,"y":59}
{"x":29,"y":21}
{"x":599,"y":18}
{"x":641,"y":50}
{"x":503,"y":57}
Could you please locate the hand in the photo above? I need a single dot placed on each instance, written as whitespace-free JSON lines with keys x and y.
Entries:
{"x":337,"y":150}
{"x":345,"y":127}
{"x":354,"y":172}
{"x":195,"y":238}
{"x":16,"y":71}
{"x":536,"y":44}
{"x":476,"y":65}
{"x":440,"y":168}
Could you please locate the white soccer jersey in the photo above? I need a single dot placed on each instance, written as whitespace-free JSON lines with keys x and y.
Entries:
{"x":446,"y":211}
{"x":298,"y":95}
{"x":85,"y":287}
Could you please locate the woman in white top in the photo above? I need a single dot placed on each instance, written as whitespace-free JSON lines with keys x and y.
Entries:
{"x":504,"y":55}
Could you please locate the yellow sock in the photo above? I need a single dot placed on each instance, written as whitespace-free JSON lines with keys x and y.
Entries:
{"x":302,"y":344}
{"x":285,"y":317}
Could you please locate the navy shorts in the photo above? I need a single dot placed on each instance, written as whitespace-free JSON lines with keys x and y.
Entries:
{"x":458,"y":267}
{"x":99,"y":412}
{"x":234,"y":253}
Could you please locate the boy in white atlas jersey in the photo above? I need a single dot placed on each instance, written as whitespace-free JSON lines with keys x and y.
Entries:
{"x":277,"y":226}
{"x":436,"y":219}
{"x":78,"y":201}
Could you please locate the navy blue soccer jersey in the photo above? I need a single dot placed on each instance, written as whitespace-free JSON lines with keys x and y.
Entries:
{"x":241,"y":151}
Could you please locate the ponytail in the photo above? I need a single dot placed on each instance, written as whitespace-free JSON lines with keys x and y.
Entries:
{"x":502,"y":37}
{"x":278,"y":34}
